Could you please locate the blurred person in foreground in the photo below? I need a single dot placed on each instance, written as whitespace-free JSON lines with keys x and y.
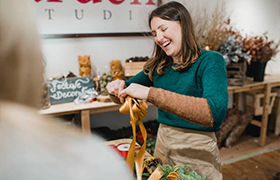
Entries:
{"x":32,"y":146}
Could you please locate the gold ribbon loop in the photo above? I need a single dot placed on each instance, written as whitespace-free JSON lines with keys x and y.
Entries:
{"x":137,"y":113}
{"x":156,"y":175}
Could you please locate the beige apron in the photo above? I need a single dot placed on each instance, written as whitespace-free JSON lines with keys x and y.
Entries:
{"x":197,"y":149}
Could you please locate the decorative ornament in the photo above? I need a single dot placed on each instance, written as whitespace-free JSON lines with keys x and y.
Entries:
{"x":116,"y":69}
{"x":84,"y":66}
{"x":105,"y":78}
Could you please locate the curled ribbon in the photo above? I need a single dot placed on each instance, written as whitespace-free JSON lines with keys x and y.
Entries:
{"x":137,"y":113}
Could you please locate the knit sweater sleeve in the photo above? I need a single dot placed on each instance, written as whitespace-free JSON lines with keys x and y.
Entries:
{"x":194,"y":110}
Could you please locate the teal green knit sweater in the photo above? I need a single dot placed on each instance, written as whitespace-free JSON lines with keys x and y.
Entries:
{"x":206,"y":78}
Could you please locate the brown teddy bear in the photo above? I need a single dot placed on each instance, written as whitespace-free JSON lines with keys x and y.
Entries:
{"x":116,"y":69}
{"x":84,"y":66}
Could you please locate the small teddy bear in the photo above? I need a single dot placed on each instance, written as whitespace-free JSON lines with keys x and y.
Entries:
{"x":84,"y":66}
{"x":116,"y":69}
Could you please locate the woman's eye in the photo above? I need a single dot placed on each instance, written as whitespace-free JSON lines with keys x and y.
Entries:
{"x":164,"y":29}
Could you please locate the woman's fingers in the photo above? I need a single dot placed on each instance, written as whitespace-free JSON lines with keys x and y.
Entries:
{"x":120,"y":87}
{"x":110,"y":88}
{"x":135,"y":90}
{"x":115,"y":87}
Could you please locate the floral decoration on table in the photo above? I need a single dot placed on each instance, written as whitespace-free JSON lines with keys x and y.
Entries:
{"x":179,"y":172}
{"x":232,"y":49}
{"x":214,"y":32}
{"x":260,"y":48}
{"x":149,"y":166}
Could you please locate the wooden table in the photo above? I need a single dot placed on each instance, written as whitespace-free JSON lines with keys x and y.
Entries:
{"x":98,"y":107}
{"x":268,"y":83}
{"x":84,"y":109}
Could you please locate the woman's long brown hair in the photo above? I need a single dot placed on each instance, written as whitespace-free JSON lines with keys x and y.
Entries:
{"x":190,"y":50}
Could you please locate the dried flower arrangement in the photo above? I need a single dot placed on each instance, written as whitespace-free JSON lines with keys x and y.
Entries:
{"x":260,"y":48}
{"x":211,"y":30}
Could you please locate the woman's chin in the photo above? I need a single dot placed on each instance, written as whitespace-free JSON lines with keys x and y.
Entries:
{"x":168,"y":53}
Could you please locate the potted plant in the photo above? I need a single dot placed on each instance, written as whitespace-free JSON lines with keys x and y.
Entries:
{"x":261,"y":51}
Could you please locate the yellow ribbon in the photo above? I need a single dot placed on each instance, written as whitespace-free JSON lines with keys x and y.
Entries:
{"x":137,"y":112}
{"x":156,"y":175}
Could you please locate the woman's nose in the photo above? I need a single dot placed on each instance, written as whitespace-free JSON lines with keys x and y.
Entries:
{"x":159,"y":37}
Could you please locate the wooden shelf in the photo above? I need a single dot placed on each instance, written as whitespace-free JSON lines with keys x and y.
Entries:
{"x":266,"y":86}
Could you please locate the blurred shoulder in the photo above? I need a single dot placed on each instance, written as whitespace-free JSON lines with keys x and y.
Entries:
{"x":30,"y":141}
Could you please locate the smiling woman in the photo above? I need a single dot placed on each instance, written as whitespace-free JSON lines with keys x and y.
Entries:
{"x":189,"y":87}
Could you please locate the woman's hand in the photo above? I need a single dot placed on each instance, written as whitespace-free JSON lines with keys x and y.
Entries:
{"x":115,"y":87}
{"x":136,"y":91}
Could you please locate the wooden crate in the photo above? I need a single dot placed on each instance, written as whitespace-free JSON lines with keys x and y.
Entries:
{"x":236,"y":73}
{"x":253,"y":102}
{"x":132,"y":68}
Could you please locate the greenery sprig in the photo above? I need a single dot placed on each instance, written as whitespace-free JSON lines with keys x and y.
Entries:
{"x":179,"y":172}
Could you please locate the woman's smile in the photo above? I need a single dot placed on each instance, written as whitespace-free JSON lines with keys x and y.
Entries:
{"x":167,"y":35}
{"x":167,"y":43}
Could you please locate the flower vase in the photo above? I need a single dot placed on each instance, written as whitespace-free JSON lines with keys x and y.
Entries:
{"x":250,"y":69}
{"x":257,"y":70}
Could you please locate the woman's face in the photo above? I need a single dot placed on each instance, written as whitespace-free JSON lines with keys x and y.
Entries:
{"x":167,"y":35}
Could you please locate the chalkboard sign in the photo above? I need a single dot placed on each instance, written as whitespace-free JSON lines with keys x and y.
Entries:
{"x":68,"y":89}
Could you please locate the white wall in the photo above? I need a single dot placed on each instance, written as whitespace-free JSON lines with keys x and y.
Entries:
{"x":253,"y":17}
{"x":61,"y":55}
